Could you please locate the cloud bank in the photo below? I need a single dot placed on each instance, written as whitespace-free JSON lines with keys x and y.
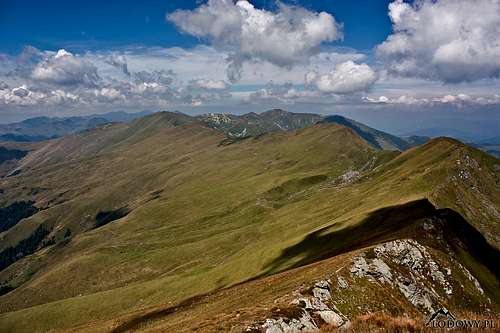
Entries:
{"x":209,"y":84}
{"x":63,"y":79}
{"x":447,"y":40}
{"x":346,"y":78}
{"x":63,"y":68}
{"x":278,"y":57}
{"x":284,"y":38}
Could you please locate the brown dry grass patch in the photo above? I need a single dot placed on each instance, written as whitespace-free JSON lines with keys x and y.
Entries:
{"x":380,"y":322}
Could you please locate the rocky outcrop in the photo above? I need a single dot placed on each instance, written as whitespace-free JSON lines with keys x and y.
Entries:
{"x":410,"y":254}
{"x":315,"y":309}
{"x":347,"y":178}
{"x":405,"y":269}
{"x":342,"y":283}
{"x":303,"y":324}
{"x":216,"y":118}
{"x":415,"y":272}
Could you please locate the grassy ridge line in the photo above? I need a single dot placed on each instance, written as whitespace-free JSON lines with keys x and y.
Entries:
{"x":236,"y":187}
{"x":239,"y":224}
{"x":229,"y":308}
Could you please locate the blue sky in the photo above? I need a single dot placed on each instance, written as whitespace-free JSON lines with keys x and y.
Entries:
{"x":94,"y":25}
{"x":434,"y":62}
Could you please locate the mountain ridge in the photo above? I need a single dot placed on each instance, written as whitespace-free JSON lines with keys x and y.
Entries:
{"x":242,"y":205}
{"x":234,"y":126}
{"x":378,"y":139}
{"x":46,"y":128}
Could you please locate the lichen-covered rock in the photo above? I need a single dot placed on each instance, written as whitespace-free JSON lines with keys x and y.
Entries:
{"x":472,"y":278}
{"x":403,"y":252}
{"x":375,"y":269}
{"x":321,"y":291}
{"x":273,"y":326}
{"x":324,"y":284}
{"x":410,"y":270}
{"x":317,"y":305}
{"x":416,"y":294}
{"x":348,"y":177}
{"x":342,"y":283}
{"x":360,"y":267}
{"x":416,"y":275}
{"x":409,"y":253}
{"x":331,"y":318}
{"x":384,"y":272}
{"x":295,"y":325}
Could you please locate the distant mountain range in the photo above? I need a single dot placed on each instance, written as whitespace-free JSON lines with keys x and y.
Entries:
{"x":45,"y":128}
{"x":442,"y":131}
{"x":491,"y":148}
{"x":238,"y":127}
{"x":234,"y":126}
{"x":490,"y":145}
{"x":254,"y":124}
{"x":495,"y":140}
{"x":26,"y":135}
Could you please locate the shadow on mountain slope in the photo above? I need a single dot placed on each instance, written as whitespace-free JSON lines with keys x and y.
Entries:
{"x":382,"y":225}
{"x":376,"y":138}
{"x":450,"y":231}
{"x":396,"y":222}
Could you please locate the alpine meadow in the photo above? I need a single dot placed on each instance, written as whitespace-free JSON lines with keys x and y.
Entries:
{"x":250,"y":166}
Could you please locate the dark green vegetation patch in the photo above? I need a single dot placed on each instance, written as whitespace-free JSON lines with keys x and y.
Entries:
{"x":103,"y":218}
{"x":24,"y":248}
{"x":4,"y":289}
{"x":12,"y":214}
{"x":11,"y":154}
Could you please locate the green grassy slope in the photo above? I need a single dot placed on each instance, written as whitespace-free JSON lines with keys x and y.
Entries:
{"x":376,"y":138}
{"x":248,"y":304}
{"x":204,"y":215}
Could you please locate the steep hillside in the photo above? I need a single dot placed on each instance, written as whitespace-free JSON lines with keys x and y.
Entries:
{"x":148,"y":214}
{"x":376,"y":138}
{"x":11,"y":153}
{"x":406,"y":275}
{"x":104,"y":139}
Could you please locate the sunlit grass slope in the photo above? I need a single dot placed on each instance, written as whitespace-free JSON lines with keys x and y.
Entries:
{"x":204,"y":215}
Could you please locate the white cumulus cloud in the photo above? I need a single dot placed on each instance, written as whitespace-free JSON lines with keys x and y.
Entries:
{"x":108,"y":94}
{"x":29,"y":96}
{"x":209,"y":84}
{"x":284,"y":38}
{"x":347,"y":77}
{"x":446,"y":40}
{"x":64,"y":68}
